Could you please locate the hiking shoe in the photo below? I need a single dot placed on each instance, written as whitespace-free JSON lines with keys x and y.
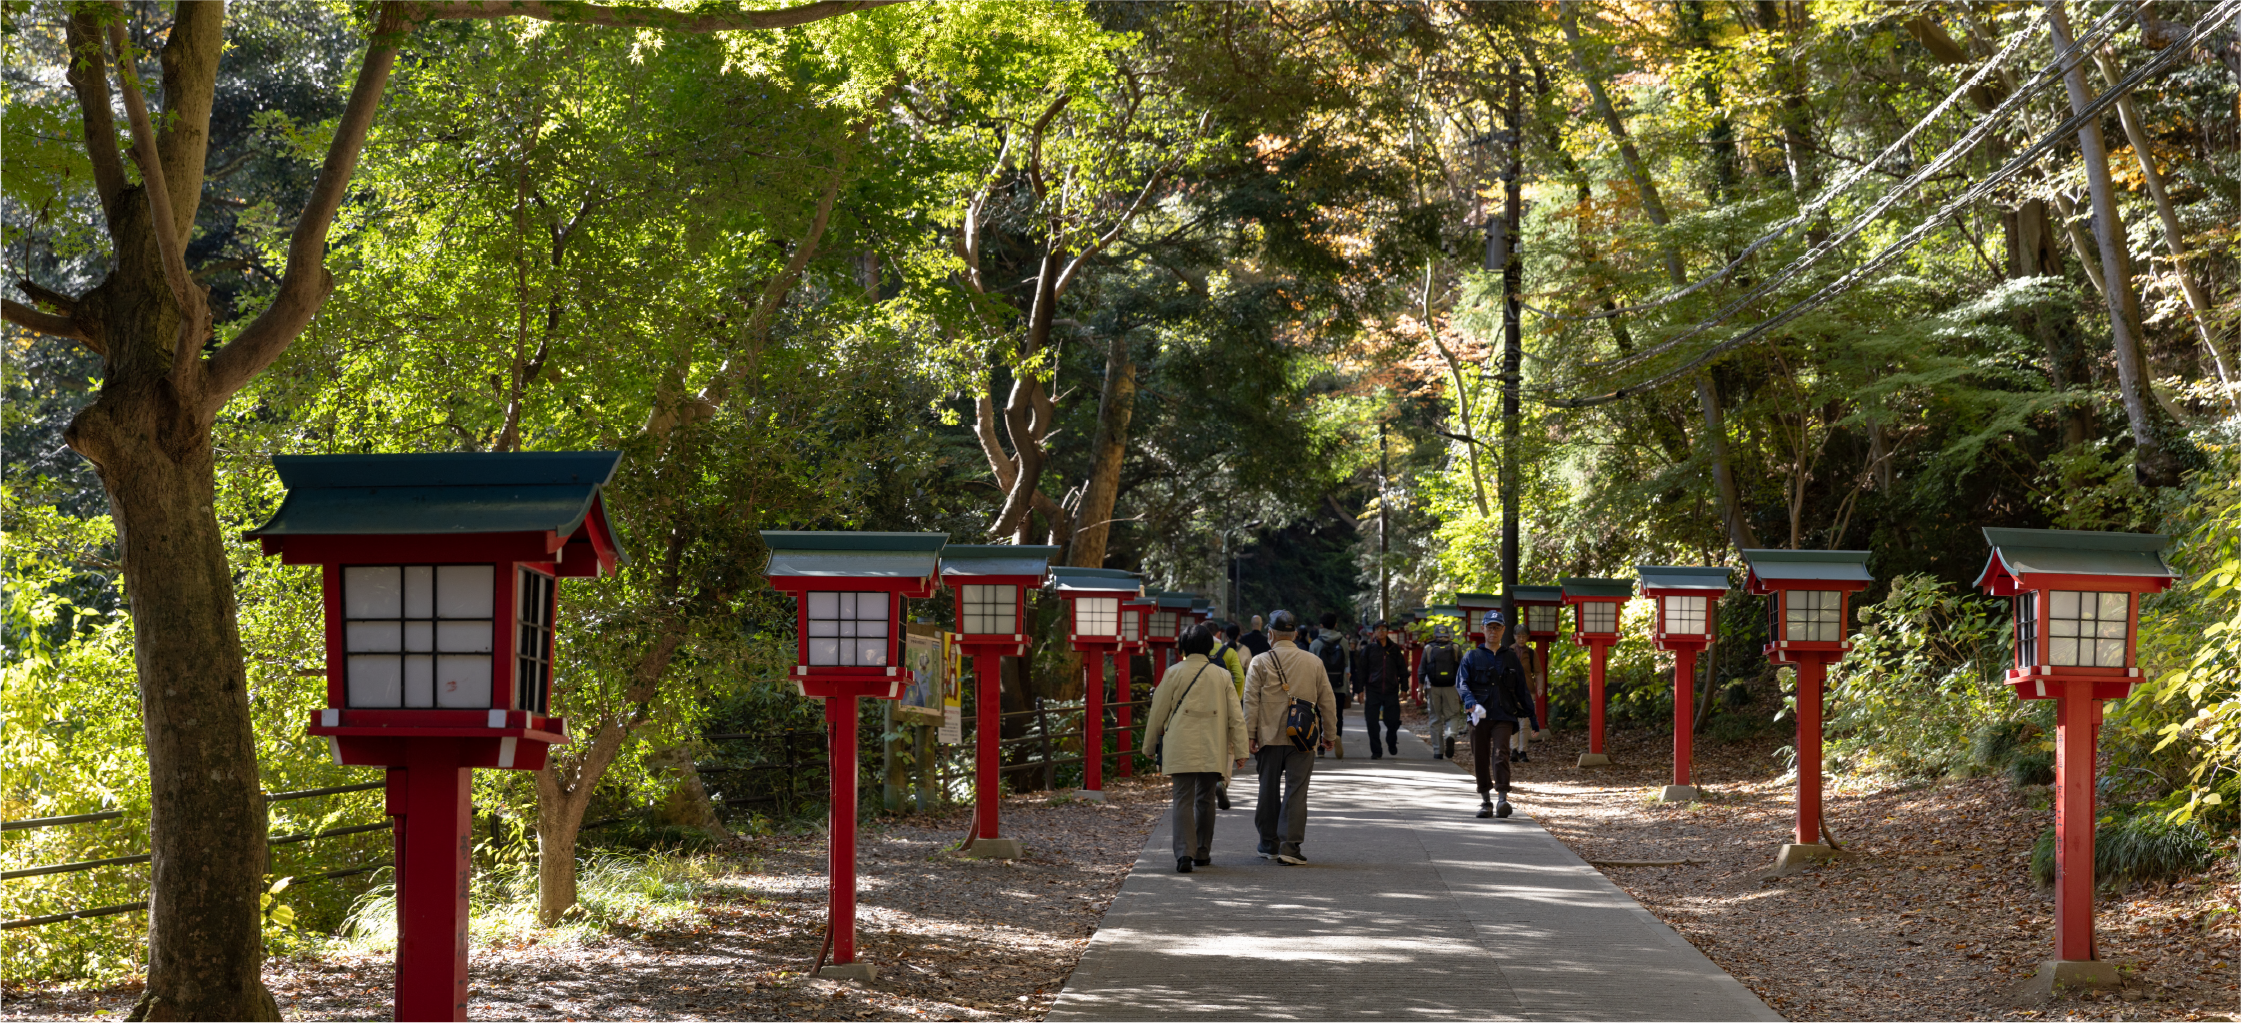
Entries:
{"x":1182,"y":864}
{"x":1451,"y":747}
{"x":1502,"y":809}
{"x":1375,"y":755}
{"x":1202,"y":861}
{"x":1485,"y":810}
{"x":1291,"y":859}
{"x":1524,"y":756}
{"x":1266,"y":850}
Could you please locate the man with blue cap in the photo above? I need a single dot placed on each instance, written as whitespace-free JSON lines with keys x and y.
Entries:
{"x":1491,"y":683}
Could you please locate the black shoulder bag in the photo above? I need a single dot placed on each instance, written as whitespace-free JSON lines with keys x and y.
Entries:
{"x":1303,"y":720}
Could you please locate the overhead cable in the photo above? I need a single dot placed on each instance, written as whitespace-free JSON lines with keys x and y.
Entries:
{"x":2211,"y":22}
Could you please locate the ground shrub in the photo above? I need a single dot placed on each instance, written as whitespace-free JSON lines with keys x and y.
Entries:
{"x":2133,"y":844}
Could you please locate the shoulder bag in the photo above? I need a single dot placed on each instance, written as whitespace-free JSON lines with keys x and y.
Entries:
{"x":1303,"y":720}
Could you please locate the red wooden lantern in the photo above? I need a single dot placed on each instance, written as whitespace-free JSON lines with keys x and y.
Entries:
{"x":1093,"y":624}
{"x":1475,"y":606}
{"x":2077,"y":619}
{"x":1133,"y":614}
{"x":848,"y":592}
{"x":1808,"y":597}
{"x":1687,"y":617}
{"x":1542,"y":609}
{"x":1164,"y":627}
{"x":991,"y":583}
{"x":1596,"y":604}
{"x":439,"y":576}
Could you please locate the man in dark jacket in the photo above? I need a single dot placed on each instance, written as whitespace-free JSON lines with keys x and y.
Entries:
{"x":1491,"y":682}
{"x":1381,"y":692}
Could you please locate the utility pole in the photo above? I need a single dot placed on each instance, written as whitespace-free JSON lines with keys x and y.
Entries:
{"x":1384,"y":574}
{"x":1501,"y":252}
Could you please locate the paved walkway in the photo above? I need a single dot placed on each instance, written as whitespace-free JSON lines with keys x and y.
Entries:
{"x":1409,"y":908}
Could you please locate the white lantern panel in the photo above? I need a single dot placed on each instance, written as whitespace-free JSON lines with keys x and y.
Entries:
{"x":1813,"y":616}
{"x":1097,"y":616}
{"x":2088,"y":629}
{"x":1163,"y":625}
{"x":465,"y":591}
{"x":848,"y":629}
{"x":1599,"y":616}
{"x":371,"y":591}
{"x":462,"y":682}
{"x":399,"y":624}
{"x":1542,"y":618}
{"x":1684,"y":615}
{"x":989,"y":610}
{"x":1132,"y":625}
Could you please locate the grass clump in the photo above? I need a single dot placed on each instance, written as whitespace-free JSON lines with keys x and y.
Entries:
{"x":615,"y":890}
{"x":2133,"y":844}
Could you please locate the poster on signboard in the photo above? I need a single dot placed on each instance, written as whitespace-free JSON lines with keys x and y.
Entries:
{"x":952,"y":730}
{"x":923,"y":697}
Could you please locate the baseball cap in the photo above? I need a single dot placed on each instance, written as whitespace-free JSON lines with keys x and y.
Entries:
{"x":1495,"y":618}
{"x":1440,"y":632}
{"x":1282,"y":621}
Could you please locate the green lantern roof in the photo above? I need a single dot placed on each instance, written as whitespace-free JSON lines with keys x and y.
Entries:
{"x":862,"y":555}
{"x":1069,"y":579}
{"x":1584,"y":586}
{"x":1479,"y":599}
{"x":440,"y":493}
{"x":1445,"y":611}
{"x":1816,"y":566}
{"x":2025,"y":552}
{"x":1684,"y":577}
{"x":1540,"y":594}
{"x":997,"y":559}
{"x":1170,"y":600}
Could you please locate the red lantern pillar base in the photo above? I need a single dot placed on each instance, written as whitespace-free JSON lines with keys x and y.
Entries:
{"x":2065,"y":975}
{"x":988,"y":762}
{"x":1124,"y":690}
{"x":840,"y":856}
{"x":2077,"y":720}
{"x":1684,"y":722}
{"x":430,"y":800}
{"x":1598,"y":657}
{"x":1810,"y":672}
{"x":1093,"y":726}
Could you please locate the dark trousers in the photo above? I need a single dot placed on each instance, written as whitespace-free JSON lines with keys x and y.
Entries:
{"x":1284,"y":770}
{"x":1194,"y":813}
{"x":1490,"y":755}
{"x":1385,"y":703}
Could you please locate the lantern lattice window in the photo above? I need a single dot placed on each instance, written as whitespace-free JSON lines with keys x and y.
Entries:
{"x":1813,"y":616}
{"x":417,"y":635}
{"x":1097,"y":616}
{"x":1684,"y":615}
{"x":1542,"y":618}
{"x":991,"y":610}
{"x":1132,"y":626}
{"x":1599,"y":616}
{"x":1163,"y":625}
{"x":848,"y":629}
{"x":533,"y":654}
{"x":2087,"y":629}
{"x":2026,"y":627}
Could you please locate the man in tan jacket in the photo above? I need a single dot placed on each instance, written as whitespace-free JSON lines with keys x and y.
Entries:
{"x":1272,"y":681}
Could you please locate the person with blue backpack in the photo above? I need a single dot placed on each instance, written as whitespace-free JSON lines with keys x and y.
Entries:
{"x":1491,"y":682}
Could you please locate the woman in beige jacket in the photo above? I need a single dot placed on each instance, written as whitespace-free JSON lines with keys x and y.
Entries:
{"x":1199,"y":730}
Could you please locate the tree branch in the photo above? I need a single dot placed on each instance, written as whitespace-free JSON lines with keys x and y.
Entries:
{"x":89,"y":78}
{"x":305,"y":284}
{"x":636,"y":17}
{"x":48,"y":323}
{"x":151,"y":168}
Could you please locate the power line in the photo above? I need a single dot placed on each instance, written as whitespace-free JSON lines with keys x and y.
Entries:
{"x":2210,"y":22}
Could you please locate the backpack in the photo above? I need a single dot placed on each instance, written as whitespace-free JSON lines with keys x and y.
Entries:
{"x":1442,"y":659}
{"x":1333,"y":655}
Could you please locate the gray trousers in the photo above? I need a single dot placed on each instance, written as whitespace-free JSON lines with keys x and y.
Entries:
{"x":1445,"y":709}
{"x":1284,"y":769}
{"x":1194,"y":813}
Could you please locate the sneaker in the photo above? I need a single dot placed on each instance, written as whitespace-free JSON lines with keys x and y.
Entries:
{"x":1182,"y":864}
{"x":1291,"y":859}
{"x":1524,"y":756}
{"x":1451,"y":747}
{"x":1375,"y":755}
{"x":1202,"y":861}
{"x":1502,"y":809}
{"x":1266,"y":850}
{"x":1513,"y":756}
{"x":1436,"y":755}
{"x":1485,"y":810}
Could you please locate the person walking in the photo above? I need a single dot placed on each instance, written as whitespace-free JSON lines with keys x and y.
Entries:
{"x":1330,"y":648}
{"x":1491,"y":683}
{"x":1197,"y":735}
{"x":1381,"y":691}
{"x":1272,"y":681}
{"x":1444,"y":709}
{"x":1230,"y":655}
{"x":1256,"y":640}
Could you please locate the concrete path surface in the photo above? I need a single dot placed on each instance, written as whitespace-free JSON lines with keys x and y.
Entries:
{"x":1409,"y":907}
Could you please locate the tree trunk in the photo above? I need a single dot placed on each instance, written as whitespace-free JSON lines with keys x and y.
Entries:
{"x":1093,"y":519}
{"x":2156,"y":460}
{"x":1739,"y":530}
{"x":2033,"y":253}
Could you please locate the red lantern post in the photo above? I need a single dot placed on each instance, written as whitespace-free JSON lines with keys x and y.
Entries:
{"x":1163,"y":627}
{"x":848,"y":591}
{"x":2077,"y":620}
{"x":1413,"y":621}
{"x":1688,"y":601}
{"x":1808,"y":610}
{"x":1596,"y":603}
{"x":991,"y":583}
{"x":1093,"y":624}
{"x":1474,"y":607}
{"x":1542,"y":608}
{"x":439,"y":573}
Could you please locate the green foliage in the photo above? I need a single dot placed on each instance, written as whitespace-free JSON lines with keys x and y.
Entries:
{"x":1922,"y":680}
{"x":2190,"y":646}
{"x":2133,"y":844}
